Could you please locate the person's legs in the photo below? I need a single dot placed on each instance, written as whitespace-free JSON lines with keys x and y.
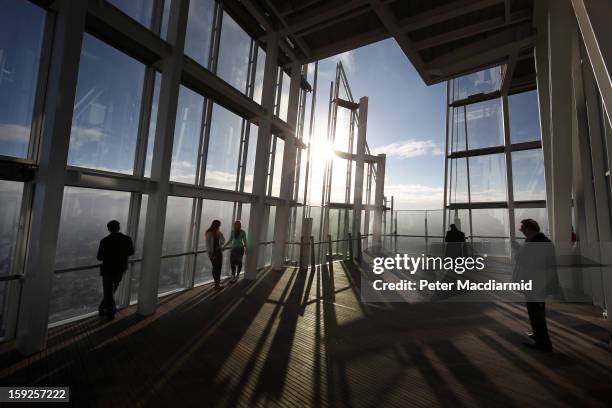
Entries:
{"x":239,"y":256}
{"x":108,"y":304}
{"x":217,"y":264}
{"x":537,"y":317}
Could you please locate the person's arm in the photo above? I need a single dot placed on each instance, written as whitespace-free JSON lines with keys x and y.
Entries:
{"x":100,"y":255}
{"x":228,"y":243}
{"x":221,"y":240}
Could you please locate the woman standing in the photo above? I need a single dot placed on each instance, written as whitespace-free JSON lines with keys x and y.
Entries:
{"x":214,"y":246}
{"x":238,"y":244}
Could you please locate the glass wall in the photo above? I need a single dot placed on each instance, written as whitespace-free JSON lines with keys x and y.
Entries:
{"x":106,"y":109}
{"x":76,"y":286}
{"x":222,"y":166}
{"x":21,"y":28}
{"x":199,"y":30}
{"x":139,"y":10}
{"x":234,"y":48}
{"x":11,"y":193}
{"x":187,"y":131}
{"x":479,"y":176}
{"x":276,"y":176}
{"x":177,"y":241}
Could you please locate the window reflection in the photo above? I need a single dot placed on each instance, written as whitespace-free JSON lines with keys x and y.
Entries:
{"x":250,"y":161}
{"x":486,"y":81}
{"x":259,"y":74}
{"x":223,"y":149}
{"x":487,"y":178}
{"x":524,"y":118}
{"x":152,"y":125}
{"x":458,"y":181}
{"x":107,"y":109}
{"x":199,"y":29}
{"x":178,"y":225}
{"x":234,"y":48}
{"x":21,"y":27}
{"x":10,"y":197}
{"x":275,"y":178}
{"x":528,"y":175}
{"x":490,"y":222}
{"x":485,"y":124}
{"x":187,"y":130}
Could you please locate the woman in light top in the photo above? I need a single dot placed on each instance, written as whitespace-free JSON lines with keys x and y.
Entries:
{"x":238,"y":245}
{"x":214,"y":246}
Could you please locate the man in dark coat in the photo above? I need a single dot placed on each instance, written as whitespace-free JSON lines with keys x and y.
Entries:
{"x":455,"y":242}
{"x":536,"y":262}
{"x":113,"y":252}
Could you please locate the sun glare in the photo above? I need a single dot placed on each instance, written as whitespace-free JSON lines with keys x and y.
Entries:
{"x":321,"y":150}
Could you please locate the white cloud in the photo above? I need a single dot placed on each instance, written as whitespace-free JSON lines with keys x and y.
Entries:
{"x":10,"y":132}
{"x":347,"y":58}
{"x":409,"y":148}
{"x":415,"y":196}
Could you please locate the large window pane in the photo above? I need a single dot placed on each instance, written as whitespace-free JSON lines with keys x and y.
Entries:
{"x":259,"y":74}
{"x":457,"y":129}
{"x":233,"y":54}
{"x":172,"y":273}
{"x":139,"y":10}
{"x":85,"y":213}
{"x":284,"y":102}
{"x":187,"y":132}
{"x":199,"y":29}
{"x":524,"y":118}
{"x":250,"y":161}
{"x":278,"y":167}
{"x":223,"y":149}
{"x":491,"y":222}
{"x":484,"y":124}
{"x":106,"y":109}
{"x":488,"y":178}
{"x":152,"y":125}
{"x":178,"y":225}
{"x":21,"y":26}
{"x":528,"y":175}
{"x":10,"y":197}
{"x":458,"y":181}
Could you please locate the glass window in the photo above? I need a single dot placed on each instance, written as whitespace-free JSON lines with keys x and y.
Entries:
{"x":21,"y":27}
{"x":142,"y":219}
{"x":485,"y":124}
{"x":75,"y":293}
{"x":490,"y":222}
{"x":234,"y":47}
{"x":106,"y":108}
{"x":165,"y":19}
{"x":340,"y":180}
{"x":152,"y":125}
{"x":458,"y":181}
{"x":139,"y":10}
{"x":214,"y":210}
{"x":250,"y":160}
{"x":528,"y":175}
{"x":457,"y":130}
{"x":276,"y":177}
{"x":486,"y":81}
{"x":259,"y":74}
{"x":461,"y":219}
{"x":223,"y":149}
{"x":524,"y":117}
{"x":284,"y":102}
{"x":85,"y":213}
{"x":172,"y":273}
{"x":187,"y":130}
{"x":177,"y":226}
{"x":410,"y":222}
{"x":10,"y":197}
{"x":488,"y":178}
{"x":199,"y":29}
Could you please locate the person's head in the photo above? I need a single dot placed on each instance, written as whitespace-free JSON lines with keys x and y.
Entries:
{"x":237,"y":225}
{"x":113,"y":226}
{"x":529,"y":227}
{"x":453,"y":227}
{"x":214,"y":227}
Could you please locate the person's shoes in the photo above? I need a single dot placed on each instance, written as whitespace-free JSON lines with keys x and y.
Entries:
{"x":543,"y":347}
{"x":217,"y":286}
{"x":530,"y":335}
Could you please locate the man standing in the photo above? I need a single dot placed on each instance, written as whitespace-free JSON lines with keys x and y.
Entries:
{"x":113,"y":251}
{"x":536,"y":262}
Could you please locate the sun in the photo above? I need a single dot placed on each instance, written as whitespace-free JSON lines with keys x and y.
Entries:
{"x":321,"y":149}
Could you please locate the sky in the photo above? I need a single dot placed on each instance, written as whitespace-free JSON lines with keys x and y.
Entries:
{"x":406,"y":120}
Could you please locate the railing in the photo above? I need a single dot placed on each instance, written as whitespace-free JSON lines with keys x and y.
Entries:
{"x":308,"y":255}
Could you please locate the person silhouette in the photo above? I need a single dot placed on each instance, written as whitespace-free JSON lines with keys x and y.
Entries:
{"x":455,"y":241}
{"x":536,"y":262}
{"x":238,"y":245}
{"x":113,"y":251}
{"x":214,"y":246}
